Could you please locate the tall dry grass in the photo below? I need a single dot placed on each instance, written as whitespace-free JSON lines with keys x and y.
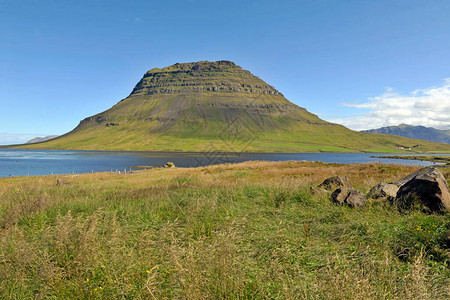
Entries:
{"x":251,"y":231}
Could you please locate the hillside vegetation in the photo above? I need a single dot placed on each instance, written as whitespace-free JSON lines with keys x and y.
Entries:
{"x":251,"y":230}
{"x":217,"y":105}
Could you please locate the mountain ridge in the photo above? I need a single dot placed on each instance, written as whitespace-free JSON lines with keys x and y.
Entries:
{"x":41,"y":139}
{"x":418,"y":132}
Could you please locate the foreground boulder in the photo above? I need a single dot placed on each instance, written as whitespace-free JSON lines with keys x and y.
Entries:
{"x":433,"y":172}
{"x":427,"y":188}
{"x":383,"y":190}
{"x":335,"y":182}
{"x":349,"y":197}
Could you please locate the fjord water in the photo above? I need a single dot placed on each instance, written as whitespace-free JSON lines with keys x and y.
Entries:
{"x":14,"y":162}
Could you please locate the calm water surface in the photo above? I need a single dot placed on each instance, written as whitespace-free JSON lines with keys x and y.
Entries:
{"x":44,"y":162}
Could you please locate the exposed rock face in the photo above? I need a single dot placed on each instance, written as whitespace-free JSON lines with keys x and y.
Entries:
{"x":349,"y":197}
{"x":99,"y":119}
{"x":216,"y":77}
{"x":383,"y":190}
{"x":427,"y":188}
{"x":335,"y":182}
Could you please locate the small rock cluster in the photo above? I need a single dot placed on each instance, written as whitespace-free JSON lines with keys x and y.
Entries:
{"x":343,"y":193}
{"x":426,"y":188}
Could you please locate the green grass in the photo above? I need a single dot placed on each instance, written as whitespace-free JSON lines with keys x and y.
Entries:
{"x":138,"y":139}
{"x":251,"y":230}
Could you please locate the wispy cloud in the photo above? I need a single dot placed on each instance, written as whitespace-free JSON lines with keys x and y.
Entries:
{"x":138,"y":20}
{"x":16,"y":138}
{"x":427,"y":107}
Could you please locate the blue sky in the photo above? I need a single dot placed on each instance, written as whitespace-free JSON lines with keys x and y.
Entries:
{"x":363,"y":64}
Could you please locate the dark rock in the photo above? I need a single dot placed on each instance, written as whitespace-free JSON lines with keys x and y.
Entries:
{"x":335,"y":182}
{"x":427,"y":188}
{"x":339,"y":195}
{"x":427,"y":171}
{"x":101,"y":119}
{"x":356,"y":198}
{"x":383,"y":190}
{"x":349,"y":197}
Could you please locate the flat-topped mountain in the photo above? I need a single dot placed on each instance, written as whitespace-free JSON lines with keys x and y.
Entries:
{"x":415,"y":132}
{"x":214,"y":106}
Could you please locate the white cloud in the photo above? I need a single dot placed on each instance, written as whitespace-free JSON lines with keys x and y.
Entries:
{"x":16,"y":138}
{"x":138,"y":20}
{"x":427,"y":107}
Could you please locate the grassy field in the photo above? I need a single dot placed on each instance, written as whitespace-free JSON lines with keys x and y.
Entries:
{"x":251,"y":230}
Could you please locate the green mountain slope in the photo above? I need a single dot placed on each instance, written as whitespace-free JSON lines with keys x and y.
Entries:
{"x":415,"y":132}
{"x":212,"y":106}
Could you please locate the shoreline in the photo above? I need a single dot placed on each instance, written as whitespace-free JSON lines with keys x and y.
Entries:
{"x":442,"y":160}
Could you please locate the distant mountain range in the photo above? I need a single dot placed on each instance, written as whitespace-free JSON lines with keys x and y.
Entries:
{"x":415,"y":132}
{"x":41,"y":139}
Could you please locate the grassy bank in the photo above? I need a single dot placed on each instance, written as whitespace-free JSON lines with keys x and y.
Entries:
{"x":251,"y":230}
{"x":445,"y":159}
